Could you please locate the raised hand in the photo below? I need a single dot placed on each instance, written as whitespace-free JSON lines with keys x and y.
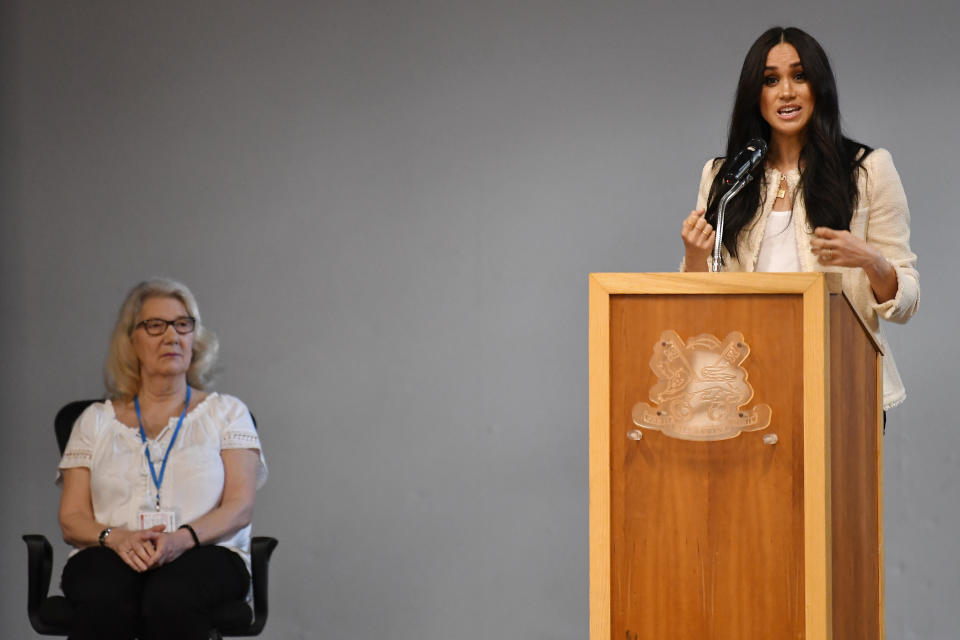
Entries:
{"x":698,"y":238}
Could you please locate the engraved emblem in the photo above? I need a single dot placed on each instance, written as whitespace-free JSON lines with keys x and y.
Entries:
{"x":701,"y":389}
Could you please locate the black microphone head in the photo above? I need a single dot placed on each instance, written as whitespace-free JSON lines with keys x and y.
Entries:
{"x":758,"y":145}
{"x":746,"y":161}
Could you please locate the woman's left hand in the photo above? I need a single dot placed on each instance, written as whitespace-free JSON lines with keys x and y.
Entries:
{"x":170,"y":546}
{"x":842,"y":249}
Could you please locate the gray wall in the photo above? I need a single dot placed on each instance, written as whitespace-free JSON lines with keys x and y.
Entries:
{"x":388,"y":212}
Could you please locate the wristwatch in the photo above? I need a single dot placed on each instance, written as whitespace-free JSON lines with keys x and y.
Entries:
{"x":103,"y":536}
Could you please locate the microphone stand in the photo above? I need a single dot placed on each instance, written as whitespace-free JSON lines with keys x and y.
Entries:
{"x":721,"y":211}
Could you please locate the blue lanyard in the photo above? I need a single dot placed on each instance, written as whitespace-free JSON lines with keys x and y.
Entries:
{"x":157,"y":481}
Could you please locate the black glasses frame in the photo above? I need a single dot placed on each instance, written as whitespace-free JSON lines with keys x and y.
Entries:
{"x":182,"y":320}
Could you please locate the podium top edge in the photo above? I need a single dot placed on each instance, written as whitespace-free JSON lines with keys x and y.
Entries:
{"x":716,"y":283}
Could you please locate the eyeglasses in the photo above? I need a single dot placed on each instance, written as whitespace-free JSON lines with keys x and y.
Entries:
{"x":158,"y":326}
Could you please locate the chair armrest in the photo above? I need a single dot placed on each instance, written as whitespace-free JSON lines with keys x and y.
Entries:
{"x":39,"y":568}
{"x":261,"y":548}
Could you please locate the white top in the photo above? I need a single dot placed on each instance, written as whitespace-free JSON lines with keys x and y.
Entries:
{"x":778,"y":249}
{"x":120,"y":481}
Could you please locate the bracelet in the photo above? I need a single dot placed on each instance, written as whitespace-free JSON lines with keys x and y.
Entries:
{"x":102,"y":538}
{"x":193,"y":534}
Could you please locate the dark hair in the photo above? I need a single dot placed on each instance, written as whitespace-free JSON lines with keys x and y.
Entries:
{"x":830,"y":161}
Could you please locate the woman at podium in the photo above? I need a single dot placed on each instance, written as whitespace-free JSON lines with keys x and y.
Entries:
{"x":819,"y":202}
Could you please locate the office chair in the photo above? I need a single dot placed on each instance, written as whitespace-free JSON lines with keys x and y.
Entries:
{"x":53,"y":615}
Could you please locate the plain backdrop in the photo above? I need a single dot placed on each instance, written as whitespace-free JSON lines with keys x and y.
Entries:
{"x":388,"y":211}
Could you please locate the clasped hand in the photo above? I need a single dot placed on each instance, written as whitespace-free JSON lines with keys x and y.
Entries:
{"x":146,"y":549}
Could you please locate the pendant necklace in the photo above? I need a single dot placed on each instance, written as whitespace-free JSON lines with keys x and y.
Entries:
{"x":782,"y":191}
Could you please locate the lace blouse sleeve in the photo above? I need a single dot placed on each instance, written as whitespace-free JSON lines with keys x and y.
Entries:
{"x":238,"y":432}
{"x":83,"y":439}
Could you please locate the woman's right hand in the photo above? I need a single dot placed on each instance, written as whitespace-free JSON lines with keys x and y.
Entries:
{"x":698,"y":237}
{"x":136,"y":548}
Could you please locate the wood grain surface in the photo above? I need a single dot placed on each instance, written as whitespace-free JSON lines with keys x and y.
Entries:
{"x":856,"y":468}
{"x":706,"y":538}
{"x":737,"y":538}
{"x":706,"y":283}
{"x":599,"y":454}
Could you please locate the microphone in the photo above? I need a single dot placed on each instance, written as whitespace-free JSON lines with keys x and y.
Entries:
{"x":746,"y":161}
{"x":738,"y":177}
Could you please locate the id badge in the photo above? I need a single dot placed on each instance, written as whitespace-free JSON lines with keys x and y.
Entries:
{"x":150,"y":519}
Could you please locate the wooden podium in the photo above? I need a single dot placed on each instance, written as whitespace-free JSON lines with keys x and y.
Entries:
{"x":774,"y":533}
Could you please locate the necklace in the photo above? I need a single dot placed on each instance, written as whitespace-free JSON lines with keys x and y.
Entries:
{"x":782,"y":191}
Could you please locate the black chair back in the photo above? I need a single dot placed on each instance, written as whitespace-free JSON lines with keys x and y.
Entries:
{"x":66,"y":417}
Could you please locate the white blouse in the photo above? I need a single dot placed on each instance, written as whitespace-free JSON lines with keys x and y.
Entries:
{"x":120,"y":481}
{"x":778,"y":249}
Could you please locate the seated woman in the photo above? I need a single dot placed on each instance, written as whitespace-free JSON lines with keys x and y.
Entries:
{"x":158,"y":481}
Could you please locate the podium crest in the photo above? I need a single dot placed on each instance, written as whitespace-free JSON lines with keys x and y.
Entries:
{"x":701,"y":390}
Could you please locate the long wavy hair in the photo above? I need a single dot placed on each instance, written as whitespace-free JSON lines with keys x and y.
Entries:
{"x":829,"y":161}
{"x":122,"y":368}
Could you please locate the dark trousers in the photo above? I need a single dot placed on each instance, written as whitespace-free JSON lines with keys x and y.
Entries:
{"x":173,"y":601}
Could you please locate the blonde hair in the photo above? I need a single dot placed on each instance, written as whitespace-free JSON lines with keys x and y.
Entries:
{"x":122,"y":369}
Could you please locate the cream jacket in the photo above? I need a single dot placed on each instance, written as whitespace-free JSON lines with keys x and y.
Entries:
{"x":882,"y":219}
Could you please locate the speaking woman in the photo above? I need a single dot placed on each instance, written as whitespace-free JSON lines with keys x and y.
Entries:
{"x":822,"y":202}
